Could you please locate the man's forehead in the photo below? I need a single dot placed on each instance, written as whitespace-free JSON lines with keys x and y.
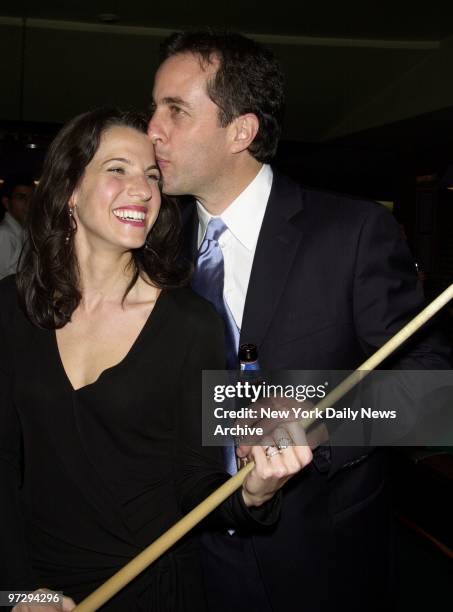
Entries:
{"x":183,"y":67}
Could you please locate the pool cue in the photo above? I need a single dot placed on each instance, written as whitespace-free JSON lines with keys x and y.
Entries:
{"x":119,"y":580}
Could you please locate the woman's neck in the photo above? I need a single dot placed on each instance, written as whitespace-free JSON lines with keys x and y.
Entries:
{"x":104,"y":277}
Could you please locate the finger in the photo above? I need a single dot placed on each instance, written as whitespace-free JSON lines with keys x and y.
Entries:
{"x":304,"y":454}
{"x":301,"y":446}
{"x":36,"y":608}
{"x":244,"y":450}
{"x":290,"y":460}
{"x":23,"y":607}
{"x":252,"y":438}
{"x":278,"y":466}
{"x":282,"y":438}
{"x":68,"y":604}
{"x":274,"y":468}
{"x":297,"y":433}
{"x":300,"y":453}
{"x":262,"y":468}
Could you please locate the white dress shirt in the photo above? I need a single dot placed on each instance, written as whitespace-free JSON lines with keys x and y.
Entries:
{"x":243,"y":219}
{"x":11,"y":241}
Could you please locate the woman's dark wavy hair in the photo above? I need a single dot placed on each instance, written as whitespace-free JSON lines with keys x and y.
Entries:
{"x":248,"y":80}
{"x":48,"y":276}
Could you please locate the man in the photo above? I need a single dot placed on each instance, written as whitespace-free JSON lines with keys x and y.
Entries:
{"x":17,"y":193}
{"x":316,"y":281}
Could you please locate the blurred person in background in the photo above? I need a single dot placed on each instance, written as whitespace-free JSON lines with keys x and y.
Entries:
{"x":16,"y":197}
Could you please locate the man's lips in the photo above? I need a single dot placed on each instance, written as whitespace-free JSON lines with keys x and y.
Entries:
{"x":162,"y":163}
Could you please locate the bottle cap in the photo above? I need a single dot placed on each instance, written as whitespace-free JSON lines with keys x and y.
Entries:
{"x":248,"y":352}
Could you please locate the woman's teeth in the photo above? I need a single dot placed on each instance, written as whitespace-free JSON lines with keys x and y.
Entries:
{"x":124,"y":213}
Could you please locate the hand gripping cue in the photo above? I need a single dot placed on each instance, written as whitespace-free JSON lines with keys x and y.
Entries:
{"x":181,"y":528}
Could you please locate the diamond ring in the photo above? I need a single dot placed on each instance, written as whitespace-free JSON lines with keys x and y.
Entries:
{"x":283,"y":443}
{"x":271,"y":451}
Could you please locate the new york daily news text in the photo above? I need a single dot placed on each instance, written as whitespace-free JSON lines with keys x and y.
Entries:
{"x":389,"y":407}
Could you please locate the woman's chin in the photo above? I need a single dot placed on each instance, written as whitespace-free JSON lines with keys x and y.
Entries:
{"x":139,"y":244}
{"x":133,"y":243}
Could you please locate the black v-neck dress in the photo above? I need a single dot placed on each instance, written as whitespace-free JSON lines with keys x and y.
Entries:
{"x":88,"y":478}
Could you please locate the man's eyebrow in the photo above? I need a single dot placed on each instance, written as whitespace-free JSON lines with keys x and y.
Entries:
{"x":175,"y":100}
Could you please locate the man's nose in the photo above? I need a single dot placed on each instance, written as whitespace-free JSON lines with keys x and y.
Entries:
{"x":155,"y":130}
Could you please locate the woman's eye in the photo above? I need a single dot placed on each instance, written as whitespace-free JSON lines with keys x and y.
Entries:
{"x":154,"y":177}
{"x":116,"y":170}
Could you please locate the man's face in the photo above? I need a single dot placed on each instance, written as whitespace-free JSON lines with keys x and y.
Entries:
{"x":192,"y":149}
{"x":17,"y":203}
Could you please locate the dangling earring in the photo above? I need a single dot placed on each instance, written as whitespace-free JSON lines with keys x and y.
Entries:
{"x":72,"y":226}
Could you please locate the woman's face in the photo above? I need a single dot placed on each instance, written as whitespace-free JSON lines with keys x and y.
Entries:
{"x":118,"y":199}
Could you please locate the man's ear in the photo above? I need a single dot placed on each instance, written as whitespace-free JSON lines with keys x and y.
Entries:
{"x":5,"y":202}
{"x":244,"y":130}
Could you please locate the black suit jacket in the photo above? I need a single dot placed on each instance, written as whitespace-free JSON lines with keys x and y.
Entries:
{"x":331,"y":281}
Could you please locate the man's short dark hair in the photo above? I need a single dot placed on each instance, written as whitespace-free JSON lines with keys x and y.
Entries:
{"x":13,"y":180}
{"x":248,"y":80}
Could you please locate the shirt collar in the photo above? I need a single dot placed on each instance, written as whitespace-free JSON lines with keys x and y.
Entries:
{"x":14,"y":225}
{"x":244,"y":215}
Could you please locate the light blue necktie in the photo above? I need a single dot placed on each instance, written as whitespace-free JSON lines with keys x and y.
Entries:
{"x":207,"y":281}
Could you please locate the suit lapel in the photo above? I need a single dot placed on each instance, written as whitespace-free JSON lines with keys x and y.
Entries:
{"x":277,"y":245}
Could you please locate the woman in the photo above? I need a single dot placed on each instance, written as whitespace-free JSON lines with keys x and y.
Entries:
{"x":100,"y":361}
